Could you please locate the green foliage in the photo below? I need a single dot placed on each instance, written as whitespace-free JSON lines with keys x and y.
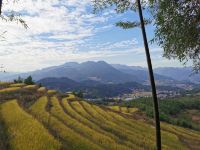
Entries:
{"x":29,"y":80}
{"x":177,"y":26}
{"x":78,"y":94}
{"x":168,"y":109}
{"x":18,"y":80}
{"x":178,"y":29}
{"x":121,"y":6}
{"x":129,"y":25}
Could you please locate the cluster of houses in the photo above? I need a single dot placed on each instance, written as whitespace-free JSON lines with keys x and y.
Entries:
{"x":143,"y":94}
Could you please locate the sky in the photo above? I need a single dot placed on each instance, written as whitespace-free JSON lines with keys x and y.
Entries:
{"x":61,"y":31}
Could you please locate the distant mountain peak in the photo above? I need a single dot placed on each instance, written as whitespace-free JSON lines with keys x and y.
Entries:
{"x":95,"y":62}
{"x":70,"y":64}
{"x":107,"y":73}
{"x":102,"y":62}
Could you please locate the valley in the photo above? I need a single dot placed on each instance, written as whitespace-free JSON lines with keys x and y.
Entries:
{"x":103,"y":80}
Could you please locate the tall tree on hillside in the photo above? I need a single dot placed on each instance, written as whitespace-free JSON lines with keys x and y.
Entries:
{"x":122,"y":6}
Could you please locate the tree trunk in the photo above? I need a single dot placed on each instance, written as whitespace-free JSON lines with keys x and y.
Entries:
{"x":152,"y":80}
{"x":0,"y":6}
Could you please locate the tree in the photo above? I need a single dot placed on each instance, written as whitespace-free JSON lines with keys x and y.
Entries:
{"x":29,"y":81}
{"x":18,"y":80}
{"x":121,"y":6}
{"x":0,"y":6}
{"x":78,"y":94}
{"x":178,"y":29}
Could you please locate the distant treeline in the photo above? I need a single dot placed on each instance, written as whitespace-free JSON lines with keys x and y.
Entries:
{"x":28,"y":80}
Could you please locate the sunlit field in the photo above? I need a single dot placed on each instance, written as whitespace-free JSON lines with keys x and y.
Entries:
{"x":11,"y":89}
{"x":24,"y":131}
{"x":51,"y":122}
{"x":99,"y":75}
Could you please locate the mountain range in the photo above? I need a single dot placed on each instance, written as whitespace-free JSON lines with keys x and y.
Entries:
{"x":105,"y":73}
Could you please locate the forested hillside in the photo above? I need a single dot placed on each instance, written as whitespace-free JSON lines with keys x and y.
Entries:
{"x":183,"y":111}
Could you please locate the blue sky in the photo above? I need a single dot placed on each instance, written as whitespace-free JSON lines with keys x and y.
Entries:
{"x":66,"y":30}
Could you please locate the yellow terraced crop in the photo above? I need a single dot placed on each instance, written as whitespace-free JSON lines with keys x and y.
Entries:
{"x":41,"y":89}
{"x":25,"y":132}
{"x":11,"y":89}
{"x":72,"y":139}
{"x":31,"y":87}
{"x":95,"y":136}
{"x":51,"y":92}
{"x":17,"y":85}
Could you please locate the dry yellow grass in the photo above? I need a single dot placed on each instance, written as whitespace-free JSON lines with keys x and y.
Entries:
{"x":98,"y":138}
{"x":91,"y":114}
{"x":11,"y":89}
{"x":84,"y":120}
{"x":169,"y":139}
{"x":42,"y":89}
{"x":51,"y":92}
{"x":135,"y":131}
{"x":189,"y":137}
{"x":80,"y":125}
{"x":125,"y":110}
{"x":31,"y":87}
{"x":71,"y":96}
{"x":25,"y":133}
{"x":72,"y":140}
{"x":132,"y":110}
{"x":5,"y":83}
{"x":17,"y":85}
{"x":115,"y":108}
{"x":136,"y":139}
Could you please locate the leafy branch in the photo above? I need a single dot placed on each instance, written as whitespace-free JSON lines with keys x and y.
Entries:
{"x":129,"y":25}
{"x":14,"y":17}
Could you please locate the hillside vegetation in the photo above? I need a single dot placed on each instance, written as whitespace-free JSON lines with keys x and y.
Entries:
{"x":184,"y":111}
{"x":37,"y":119}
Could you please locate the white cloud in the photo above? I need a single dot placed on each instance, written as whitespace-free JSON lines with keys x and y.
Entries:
{"x":59,"y":31}
{"x":56,"y":28}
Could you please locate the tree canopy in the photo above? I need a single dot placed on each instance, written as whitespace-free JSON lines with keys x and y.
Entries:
{"x":177,"y":25}
{"x":29,"y":81}
{"x":121,"y":6}
{"x":178,"y":29}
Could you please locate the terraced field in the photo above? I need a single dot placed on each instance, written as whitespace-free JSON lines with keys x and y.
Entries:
{"x":23,"y":128}
{"x":50,"y":121}
{"x":125,"y":110}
